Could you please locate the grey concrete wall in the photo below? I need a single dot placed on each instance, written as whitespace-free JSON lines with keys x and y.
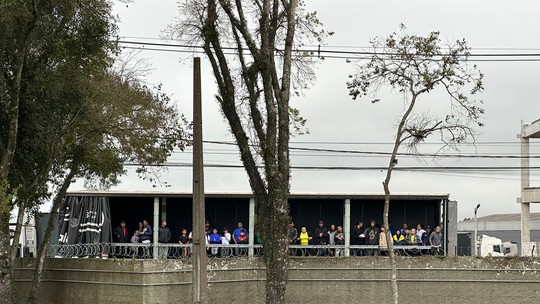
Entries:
{"x":311,"y":280}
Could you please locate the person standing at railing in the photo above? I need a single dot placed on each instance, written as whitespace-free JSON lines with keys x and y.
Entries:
{"x":242,"y":240}
{"x":184,"y":240}
{"x":399,"y":239}
{"x":413,"y":239}
{"x":304,"y":238}
{"x":358,"y":238}
{"x":436,"y":240}
{"x":425,"y":236}
{"x":339,"y":239}
{"x":164,"y":236}
{"x":331,"y":239}
{"x":420,"y":231}
{"x":214,"y":238}
{"x":383,"y":242}
{"x":121,"y":234}
{"x":293,"y":237}
{"x":372,"y":237}
{"x":225,"y":241}
{"x":236,"y":235}
{"x":146,"y":237}
{"x":321,"y":237}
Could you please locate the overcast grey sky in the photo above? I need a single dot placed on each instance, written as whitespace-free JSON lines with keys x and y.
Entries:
{"x":337,"y":122}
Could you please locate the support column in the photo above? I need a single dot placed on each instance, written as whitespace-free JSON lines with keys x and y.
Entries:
{"x":347,"y":225}
{"x":525,"y":206}
{"x":163,"y":208}
{"x":525,"y":227}
{"x":450,"y":228}
{"x":155,"y":228}
{"x":251,"y":224}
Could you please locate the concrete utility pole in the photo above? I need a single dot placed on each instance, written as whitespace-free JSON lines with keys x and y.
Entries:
{"x":476,"y":247}
{"x":198,"y":257}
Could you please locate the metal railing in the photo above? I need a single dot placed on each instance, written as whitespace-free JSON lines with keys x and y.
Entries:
{"x":147,"y":251}
{"x":179,"y":251}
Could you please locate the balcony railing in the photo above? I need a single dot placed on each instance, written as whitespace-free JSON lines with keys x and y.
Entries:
{"x":179,"y":251}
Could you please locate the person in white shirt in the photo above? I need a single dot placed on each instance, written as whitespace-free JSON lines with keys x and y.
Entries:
{"x":420,"y":231}
{"x":225,"y":241}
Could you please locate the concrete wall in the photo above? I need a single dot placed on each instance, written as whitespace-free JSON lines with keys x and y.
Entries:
{"x":311,"y":280}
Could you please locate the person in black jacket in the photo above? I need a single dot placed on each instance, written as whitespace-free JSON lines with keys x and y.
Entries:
{"x":358,"y":238}
{"x":321,"y":237}
{"x":372,"y":237}
{"x":164,"y":236}
{"x":121,"y":234}
{"x":339,"y":239}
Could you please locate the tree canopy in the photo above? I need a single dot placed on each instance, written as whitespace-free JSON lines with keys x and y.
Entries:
{"x":65,"y":112}
{"x":414,"y":66}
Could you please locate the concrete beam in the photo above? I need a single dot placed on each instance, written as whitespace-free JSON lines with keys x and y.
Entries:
{"x":531,"y":130}
{"x":530,"y":195}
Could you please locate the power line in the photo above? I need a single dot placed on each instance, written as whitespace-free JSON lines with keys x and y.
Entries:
{"x":357,"y":46}
{"x":399,"y":153}
{"x":333,"y":54}
{"x":362,"y":168}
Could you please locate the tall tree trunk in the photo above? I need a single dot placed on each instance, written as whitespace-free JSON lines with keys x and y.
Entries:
{"x":6,"y":279}
{"x":42,"y":251}
{"x":390,"y":241}
{"x":386,"y":186}
{"x":15,"y":246}
{"x":273,"y":220}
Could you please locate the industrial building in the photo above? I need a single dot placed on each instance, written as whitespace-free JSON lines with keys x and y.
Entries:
{"x":506,"y":227}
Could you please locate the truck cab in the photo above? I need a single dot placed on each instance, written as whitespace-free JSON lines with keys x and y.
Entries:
{"x":492,"y":246}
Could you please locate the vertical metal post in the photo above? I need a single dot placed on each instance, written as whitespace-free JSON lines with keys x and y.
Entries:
{"x":347,"y":225}
{"x":155,"y":228}
{"x":198,"y":258}
{"x":251,"y":239}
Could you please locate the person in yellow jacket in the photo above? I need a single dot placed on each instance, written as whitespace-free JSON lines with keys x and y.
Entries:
{"x":304,"y":238}
{"x":399,"y":239}
{"x":413,"y":238}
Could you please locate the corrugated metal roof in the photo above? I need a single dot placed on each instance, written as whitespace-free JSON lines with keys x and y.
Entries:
{"x":507,"y":217}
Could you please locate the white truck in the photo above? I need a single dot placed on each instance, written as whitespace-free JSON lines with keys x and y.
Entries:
{"x":492,"y":246}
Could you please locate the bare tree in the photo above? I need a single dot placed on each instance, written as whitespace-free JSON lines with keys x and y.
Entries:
{"x":416,"y":65}
{"x":249,"y":45}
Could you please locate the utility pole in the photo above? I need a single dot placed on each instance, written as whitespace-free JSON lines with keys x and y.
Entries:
{"x":198,"y":256}
{"x":476,"y":243}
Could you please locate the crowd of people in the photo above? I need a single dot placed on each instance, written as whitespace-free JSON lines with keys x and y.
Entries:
{"x":373,"y":235}
{"x":144,"y":235}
